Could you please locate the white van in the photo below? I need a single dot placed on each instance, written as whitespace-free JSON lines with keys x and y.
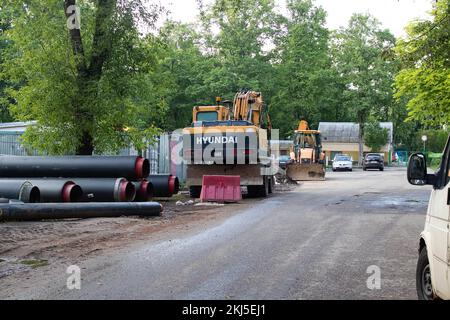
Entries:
{"x":433,"y":267}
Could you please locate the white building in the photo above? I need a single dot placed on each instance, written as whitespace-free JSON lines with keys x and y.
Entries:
{"x":343,"y":138}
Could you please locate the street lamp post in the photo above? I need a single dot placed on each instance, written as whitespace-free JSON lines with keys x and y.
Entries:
{"x":424,"y":139}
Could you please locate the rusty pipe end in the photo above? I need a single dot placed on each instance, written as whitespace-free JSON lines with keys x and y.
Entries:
{"x":142,"y":168}
{"x":174,"y":185}
{"x":72,"y":192}
{"x":146,"y":189}
{"x":127,"y":191}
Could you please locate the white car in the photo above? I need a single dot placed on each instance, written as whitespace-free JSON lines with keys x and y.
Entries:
{"x":342,"y":162}
{"x":433,"y":267}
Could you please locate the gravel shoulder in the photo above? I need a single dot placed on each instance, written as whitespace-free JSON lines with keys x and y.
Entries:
{"x":31,"y":252}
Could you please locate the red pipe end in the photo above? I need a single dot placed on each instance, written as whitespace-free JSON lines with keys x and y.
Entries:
{"x":146,"y":190}
{"x":142,"y":168}
{"x":72,"y":193}
{"x":127,"y":191}
{"x":174,"y":185}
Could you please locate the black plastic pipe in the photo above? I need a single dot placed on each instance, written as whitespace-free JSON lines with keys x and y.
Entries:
{"x":133,"y":168}
{"x":165,"y":185}
{"x":23,"y":191}
{"x":57,"y":190}
{"x":44,"y":211}
{"x":54,"y":190}
{"x":106,"y":189}
{"x":144,"y":191}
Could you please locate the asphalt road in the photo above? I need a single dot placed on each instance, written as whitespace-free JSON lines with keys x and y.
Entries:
{"x":314,"y":243}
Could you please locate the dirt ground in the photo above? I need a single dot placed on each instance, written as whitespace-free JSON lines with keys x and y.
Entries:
{"x":29,"y":246}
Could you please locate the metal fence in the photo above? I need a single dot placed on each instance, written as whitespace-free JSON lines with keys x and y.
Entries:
{"x":159,"y":153}
{"x":10,"y":144}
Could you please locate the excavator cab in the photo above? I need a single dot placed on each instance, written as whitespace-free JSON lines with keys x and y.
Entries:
{"x":211,"y":113}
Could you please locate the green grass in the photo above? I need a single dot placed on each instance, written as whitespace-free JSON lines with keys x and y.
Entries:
{"x":35,"y":263}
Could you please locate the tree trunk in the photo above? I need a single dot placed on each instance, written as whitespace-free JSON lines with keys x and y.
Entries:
{"x":89,"y":74}
{"x":86,"y":147}
{"x":361,"y":145}
{"x":362,"y":126}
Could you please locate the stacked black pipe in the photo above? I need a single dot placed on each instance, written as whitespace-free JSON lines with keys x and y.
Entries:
{"x":75,"y":166}
{"x":144,"y":190}
{"x":164,"y":185}
{"x":74,"y":179}
{"x":104,"y":185}
{"x":12,"y":211}
{"x":23,"y":191}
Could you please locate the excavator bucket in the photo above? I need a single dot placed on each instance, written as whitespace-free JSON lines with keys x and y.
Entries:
{"x":306,"y":172}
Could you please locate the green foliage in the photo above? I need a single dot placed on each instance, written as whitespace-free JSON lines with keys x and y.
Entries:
{"x":436,"y":142}
{"x":243,"y":28}
{"x":424,"y":80}
{"x":310,"y":87}
{"x":186,"y":70}
{"x":89,"y":99}
{"x":202,"y":64}
{"x":375,"y":137}
{"x":363,"y":55}
{"x":117,"y":86}
{"x":5,"y":24}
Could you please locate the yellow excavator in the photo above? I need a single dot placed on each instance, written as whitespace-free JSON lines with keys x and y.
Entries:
{"x":220,"y":142}
{"x":307,"y":155}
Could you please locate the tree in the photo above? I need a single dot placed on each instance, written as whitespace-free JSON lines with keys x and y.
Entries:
{"x":308,"y":86}
{"x":424,"y":80}
{"x":5,"y":24}
{"x":186,"y":69}
{"x":244,"y":28}
{"x":363,"y":56}
{"x":87,"y":84}
{"x":436,"y":140}
{"x":375,"y":137}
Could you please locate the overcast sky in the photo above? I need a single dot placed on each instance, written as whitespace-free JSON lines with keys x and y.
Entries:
{"x":394,"y":14}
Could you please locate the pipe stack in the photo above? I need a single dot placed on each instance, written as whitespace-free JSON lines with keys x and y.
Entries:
{"x":74,"y":179}
{"x":93,"y":179}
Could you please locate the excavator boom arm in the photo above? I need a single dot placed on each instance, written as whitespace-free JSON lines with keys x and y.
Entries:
{"x":248,"y":106}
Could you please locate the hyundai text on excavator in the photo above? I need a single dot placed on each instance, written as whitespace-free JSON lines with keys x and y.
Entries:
{"x":224,"y":143}
{"x":306,"y":153}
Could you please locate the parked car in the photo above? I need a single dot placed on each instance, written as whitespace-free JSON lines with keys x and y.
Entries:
{"x":342,"y":162}
{"x":284,"y":161}
{"x":433,"y":266}
{"x":373,"y":161}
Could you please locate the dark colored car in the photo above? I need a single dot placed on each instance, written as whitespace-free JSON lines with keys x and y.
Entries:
{"x":373,"y":161}
{"x":284,"y":161}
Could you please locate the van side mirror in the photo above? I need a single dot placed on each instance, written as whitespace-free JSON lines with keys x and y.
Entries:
{"x":418,"y":172}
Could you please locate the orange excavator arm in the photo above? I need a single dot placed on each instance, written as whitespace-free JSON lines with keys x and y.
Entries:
{"x":248,"y":106}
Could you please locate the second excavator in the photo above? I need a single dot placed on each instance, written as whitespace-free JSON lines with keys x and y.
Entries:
{"x":307,"y":155}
